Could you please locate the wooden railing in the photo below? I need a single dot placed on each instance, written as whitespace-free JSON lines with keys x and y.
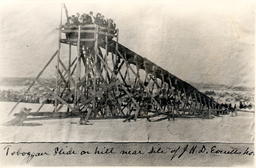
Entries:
{"x":92,"y":29}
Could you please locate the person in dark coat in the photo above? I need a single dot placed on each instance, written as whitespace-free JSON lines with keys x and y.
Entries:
{"x":230,"y":106}
{"x":88,"y":19}
{"x":97,"y":19}
{"x":67,"y":27}
{"x":111,"y":25}
{"x":103,"y":21}
{"x":76,"y":19}
{"x":241,"y":105}
{"x":92,"y":17}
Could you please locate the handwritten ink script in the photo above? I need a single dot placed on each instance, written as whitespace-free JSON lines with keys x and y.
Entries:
{"x":169,"y":152}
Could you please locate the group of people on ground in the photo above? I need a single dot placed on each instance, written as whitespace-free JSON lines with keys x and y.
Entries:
{"x":227,"y":106}
{"x":85,"y":19}
{"x":244,"y":106}
{"x":226,"y":109}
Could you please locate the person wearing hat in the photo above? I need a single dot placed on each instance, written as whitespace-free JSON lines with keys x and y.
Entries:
{"x":103,"y":21}
{"x":76,"y":20}
{"x":92,"y":17}
{"x":81,"y":19}
{"x":87,"y":19}
{"x":72,"y":27}
{"x":73,"y":18}
{"x":67,"y":27}
{"x":97,"y":19}
{"x":111,"y":25}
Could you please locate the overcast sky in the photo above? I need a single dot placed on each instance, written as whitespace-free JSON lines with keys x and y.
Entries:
{"x":198,"y":42}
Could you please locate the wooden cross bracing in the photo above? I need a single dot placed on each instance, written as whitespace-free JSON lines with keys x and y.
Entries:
{"x":106,"y":79}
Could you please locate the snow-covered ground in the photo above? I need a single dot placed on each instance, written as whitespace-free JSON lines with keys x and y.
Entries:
{"x":239,"y":129}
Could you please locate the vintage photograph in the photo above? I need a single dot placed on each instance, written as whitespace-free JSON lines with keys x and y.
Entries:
{"x":135,"y":83}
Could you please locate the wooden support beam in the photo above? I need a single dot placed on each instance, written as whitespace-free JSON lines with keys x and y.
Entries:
{"x":105,"y":83}
{"x":162,"y":81}
{"x":124,"y":88}
{"x":69,"y":64}
{"x":55,"y":95}
{"x":73,"y":62}
{"x":209,"y":110}
{"x":99,"y":93}
{"x":75,"y":40}
{"x":95,"y":62}
{"x":49,"y":96}
{"x":200,"y":101}
{"x":127,"y":69}
{"x":58,"y":58}
{"x":137,"y":74}
{"x":155,"y":81}
{"x":66,"y":84}
{"x":67,"y":71}
{"x":78,"y":68}
{"x":84,"y":26}
{"x":62,"y":77}
{"x":40,"y":73}
{"x":77,"y":31}
{"x":123,"y":79}
{"x":117,"y":34}
{"x":120,"y":66}
{"x":172,"y":93}
{"x":107,"y":34}
{"x":146,"y":89}
{"x":195,"y":100}
{"x":127,"y":74}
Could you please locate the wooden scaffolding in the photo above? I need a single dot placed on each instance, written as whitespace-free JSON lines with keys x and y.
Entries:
{"x":107,"y":80}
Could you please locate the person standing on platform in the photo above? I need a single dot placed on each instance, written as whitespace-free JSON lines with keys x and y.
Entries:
{"x":76,"y":20}
{"x":92,"y":17}
{"x":68,"y":24}
{"x":97,"y":19}
{"x":103,"y":21}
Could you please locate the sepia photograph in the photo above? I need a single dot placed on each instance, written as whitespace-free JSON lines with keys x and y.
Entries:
{"x":127,"y":83}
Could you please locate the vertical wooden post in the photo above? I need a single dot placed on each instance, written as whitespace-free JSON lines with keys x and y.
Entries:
{"x":114,"y":58}
{"x":172,"y":102}
{"x":146,"y":70}
{"x":95,"y":63}
{"x":200,"y":107}
{"x":127,"y":68}
{"x":196,"y":100}
{"x":209,"y":110}
{"x":106,"y":54}
{"x":79,"y":54}
{"x":69,"y":69}
{"x":40,"y":73}
{"x":161,"y":91}
{"x":138,"y":73}
{"x":162,"y":82}
{"x":186,"y":99}
{"x":79,"y":62}
{"x":106,"y":43}
{"x":117,"y":34}
{"x":58,"y":59}
{"x":190,"y":96}
{"x":205,"y":102}
{"x":78,"y":67}
{"x":69,"y":64}
{"x":85,"y":72}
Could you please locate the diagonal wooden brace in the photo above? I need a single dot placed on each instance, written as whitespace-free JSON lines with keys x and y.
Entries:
{"x":59,"y":98}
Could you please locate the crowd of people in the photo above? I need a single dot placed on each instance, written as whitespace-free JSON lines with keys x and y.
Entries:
{"x":85,"y":19}
{"x":242,"y":105}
